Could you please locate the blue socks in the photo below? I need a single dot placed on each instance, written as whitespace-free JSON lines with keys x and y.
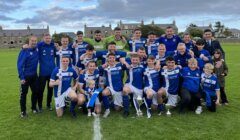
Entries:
{"x":125,"y":102}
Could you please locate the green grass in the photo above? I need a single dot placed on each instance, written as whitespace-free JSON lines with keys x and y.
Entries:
{"x":224,"y":124}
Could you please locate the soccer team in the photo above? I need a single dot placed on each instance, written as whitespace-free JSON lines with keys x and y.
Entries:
{"x":157,"y":73}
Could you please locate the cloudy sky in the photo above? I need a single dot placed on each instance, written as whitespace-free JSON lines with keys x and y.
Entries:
{"x":71,"y":15}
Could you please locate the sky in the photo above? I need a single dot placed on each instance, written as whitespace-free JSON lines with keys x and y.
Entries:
{"x":71,"y":15}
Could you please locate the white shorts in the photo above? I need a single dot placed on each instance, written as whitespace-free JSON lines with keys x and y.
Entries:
{"x":154,"y":99}
{"x":60,"y":100}
{"x":172,"y":100}
{"x":136,"y":92}
{"x":117,"y":96}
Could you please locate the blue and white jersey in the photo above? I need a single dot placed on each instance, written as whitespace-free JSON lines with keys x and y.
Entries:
{"x":68,"y":52}
{"x":191,"y":79}
{"x":170,"y":43}
{"x":210,"y":84}
{"x":134,"y":45}
{"x":83,"y":63}
{"x":143,"y":61}
{"x":201,"y":62}
{"x":135,"y":76}
{"x":67,"y":77}
{"x":171,"y":80}
{"x":86,"y":76}
{"x":102,"y":55}
{"x":182,"y":59}
{"x":78,"y":51}
{"x":46,"y":58}
{"x":152,"y":78}
{"x":114,"y":76}
{"x":162,"y":59}
{"x":152,"y":49}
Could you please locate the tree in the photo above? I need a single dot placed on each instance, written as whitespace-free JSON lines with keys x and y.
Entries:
{"x":192,"y":25}
{"x":227,"y":32}
{"x":57,"y":38}
{"x":151,"y":28}
{"x":219,"y":28}
{"x":194,"y":32}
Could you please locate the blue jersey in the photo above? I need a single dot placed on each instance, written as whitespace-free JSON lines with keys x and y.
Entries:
{"x":27,"y":62}
{"x":162,"y":59}
{"x":191,"y":79}
{"x":78,"y":51}
{"x":135,"y":76}
{"x":68,"y":52}
{"x":152,"y":49}
{"x":114,"y":76}
{"x":67,"y":77}
{"x":210,"y":84}
{"x":171,"y":80}
{"x":46,"y":58}
{"x":102,"y":55}
{"x":136,"y":44}
{"x":83,"y":63}
{"x":152,"y":78}
{"x":143,"y":61}
{"x":170,"y":43}
{"x":86,"y":76}
{"x":201,"y":62}
{"x":182,"y":59}
{"x":189,"y":45}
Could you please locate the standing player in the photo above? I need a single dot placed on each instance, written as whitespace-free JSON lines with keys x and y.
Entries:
{"x":46,"y":50}
{"x":152,"y":84}
{"x":171,"y":76}
{"x":182,"y":55}
{"x":152,"y":45}
{"x":202,"y":55}
{"x":61,"y":79}
{"x":97,"y":42}
{"x":170,"y":40}
{"x":117,"y":38}
{"x":114,"y":82}
{"x":136,"y":41}
{"x":79,"y":47}
{"x":27,"y":69}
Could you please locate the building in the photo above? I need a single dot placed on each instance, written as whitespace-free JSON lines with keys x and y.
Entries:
{"x":17,"y":37}
{"x":235,"y":32}
{"x":70,"y":34}
{"x":128,"y":28}
{"x":106,"y":31}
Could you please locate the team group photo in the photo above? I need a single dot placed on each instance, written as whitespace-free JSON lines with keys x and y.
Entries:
{"x":128,"y":80}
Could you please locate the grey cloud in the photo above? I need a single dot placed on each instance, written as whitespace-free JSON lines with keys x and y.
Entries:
{"x":4,"y":18}
{"x":7,"y":6}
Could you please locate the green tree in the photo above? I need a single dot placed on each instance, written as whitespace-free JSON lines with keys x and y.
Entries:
{"x":227,"y":32}
{"x":57,"y":38}
{"x":151,"y":28}
{"x":194,"y":32}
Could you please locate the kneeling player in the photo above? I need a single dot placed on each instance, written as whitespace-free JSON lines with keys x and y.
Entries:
{"x":171,"y":75}
{"x":152,"y":84}
{"x":210,"y":87}
{"x":114,"y":82}
{"x":134,"y":84}
{"x":61,"y":81}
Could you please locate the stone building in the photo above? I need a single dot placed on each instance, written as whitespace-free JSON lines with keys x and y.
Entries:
{"x":17,"y":37}
{"x":89,"y":31}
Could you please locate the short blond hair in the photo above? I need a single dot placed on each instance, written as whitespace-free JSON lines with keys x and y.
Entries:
{"x":208,"y":66}
{"x":90,"y":82}
{"x":192,"y":60}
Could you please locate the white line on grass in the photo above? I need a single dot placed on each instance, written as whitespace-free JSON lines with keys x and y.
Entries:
{"x":97,"y":129}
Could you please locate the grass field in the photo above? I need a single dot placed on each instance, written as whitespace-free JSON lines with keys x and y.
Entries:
{"x":224,"y":124}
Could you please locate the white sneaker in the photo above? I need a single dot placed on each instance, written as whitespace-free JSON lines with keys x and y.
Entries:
{"x":89,"y":114}
{"x":198,"y":110}
{"x":139,"y":113}
{"x":160,"y":113}
{"x":106,"y":113}
{"x":149,"y":113}
{"x":168,"y":113}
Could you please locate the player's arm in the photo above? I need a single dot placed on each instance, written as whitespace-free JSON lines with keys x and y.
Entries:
{"x":20,"y":65}
{"x":53,"y":79}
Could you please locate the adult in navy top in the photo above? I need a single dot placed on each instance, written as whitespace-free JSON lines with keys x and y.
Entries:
{"x":182,"y":55}
{"x":170,"y":40}
{"x":27,"y":70}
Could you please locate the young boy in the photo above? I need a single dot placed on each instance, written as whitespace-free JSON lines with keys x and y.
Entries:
{"x":210,"y":87}
{"x":171,"y":76}
{"x":203,"y":56}
{"x":190,"y":95}
{"x":152,"y":84}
